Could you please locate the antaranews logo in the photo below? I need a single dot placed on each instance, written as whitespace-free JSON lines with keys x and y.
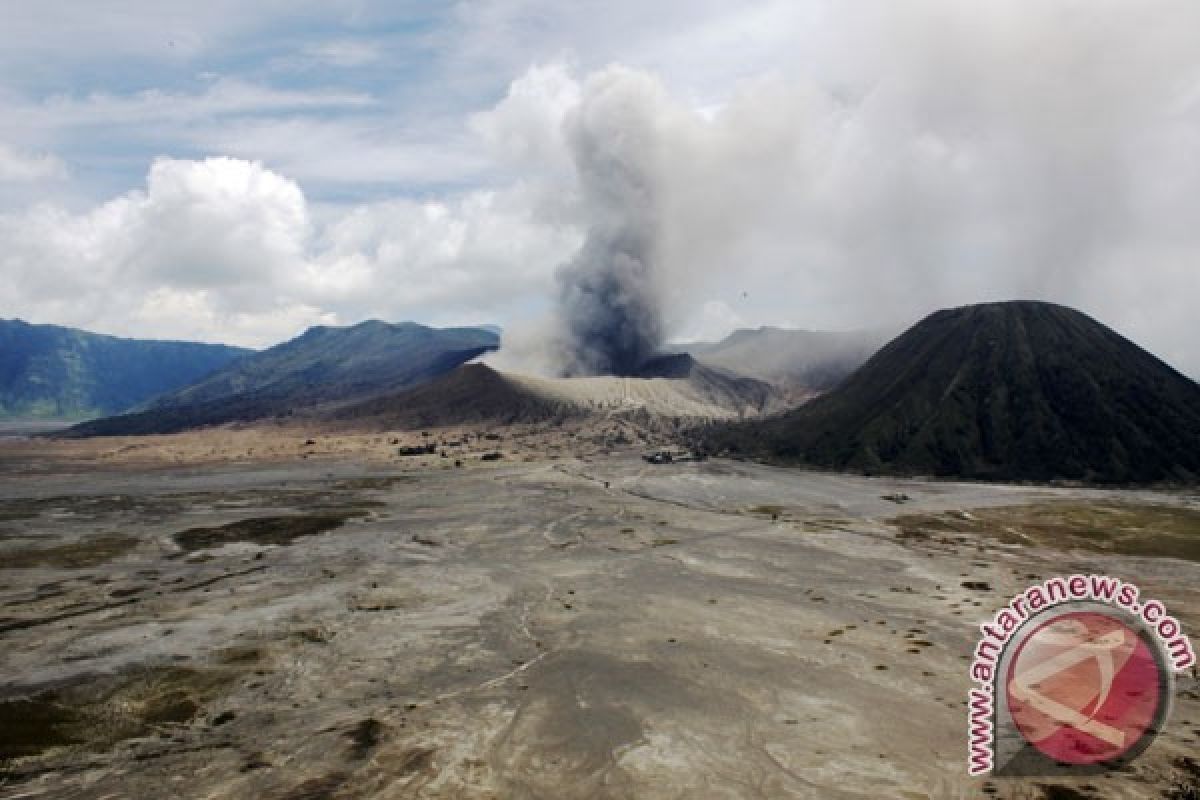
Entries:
{"x":1074,"y":675}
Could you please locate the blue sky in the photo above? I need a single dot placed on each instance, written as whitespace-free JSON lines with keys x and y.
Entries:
{"x":386,"y":86}
{"x":128,"y":82}
{"x":234,"y":171}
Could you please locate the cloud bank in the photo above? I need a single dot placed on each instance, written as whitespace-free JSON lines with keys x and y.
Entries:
{"x":947,"y":156}
{"x":226,"y":250}
{"x":846,"y":165}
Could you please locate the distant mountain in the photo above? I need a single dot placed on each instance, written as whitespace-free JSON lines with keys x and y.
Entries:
{"x":49,"y":371}
{"x":674,"y":387}
{"x":810,"y":359}
{"x":1007,"y":391}
{"x":325,"y":366}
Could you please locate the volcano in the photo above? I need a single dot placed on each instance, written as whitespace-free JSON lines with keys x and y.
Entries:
{"x":1002,"y":391}
{"x":668,"y":387}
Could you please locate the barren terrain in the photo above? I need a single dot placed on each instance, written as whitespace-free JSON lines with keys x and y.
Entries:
{"x":271,"y":613}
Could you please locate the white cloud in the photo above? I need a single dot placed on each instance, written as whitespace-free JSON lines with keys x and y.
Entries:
{"x":343,"y":53}
{"x":715,"y":321}
{"x":943,"y":157}
{"x":484,"y":251}
{"x":163,"y":30}
{"x":195,"y":315}
{"x":227,"y":250}
{"x":24,"y":167}
{"x":223,"y":96}
{"x":342,"y":152}
{"x":219,"y":223}
{"x":204,"y":242}
{"x":525,"y":128}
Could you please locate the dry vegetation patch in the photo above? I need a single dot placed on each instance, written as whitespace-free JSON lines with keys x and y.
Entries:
{"x":86,"y":552}
{"x":1134,"y":529}
{"x":96,"y":712}
{"x":279,"y":530}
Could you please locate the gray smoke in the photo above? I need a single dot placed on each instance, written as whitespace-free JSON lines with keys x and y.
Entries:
{"x":609,"y":294}
{"x":923,"y":155}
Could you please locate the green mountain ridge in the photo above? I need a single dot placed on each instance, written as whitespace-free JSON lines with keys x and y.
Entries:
{"x":324,"y":367}
{"x":1000,"y":391}
{"x":54,"y":372}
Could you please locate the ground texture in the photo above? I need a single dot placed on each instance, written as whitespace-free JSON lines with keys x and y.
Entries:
{"x":358,"y":624}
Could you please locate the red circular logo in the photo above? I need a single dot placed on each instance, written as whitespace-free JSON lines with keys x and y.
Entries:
{"x":1084,"y":688}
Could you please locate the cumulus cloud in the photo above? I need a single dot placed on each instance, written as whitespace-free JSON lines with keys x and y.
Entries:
{"x":203,"y":240}
{"x":525,"y":128}
{"x":227,"y":250}
{"x":218,"y":223}
{"x":483,"y":253}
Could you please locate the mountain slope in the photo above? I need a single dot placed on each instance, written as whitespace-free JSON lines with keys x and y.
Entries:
{"x":329,"y":363}
{"x":473,"y":393}
{"x":1011,"y":391}
{"x":51,"y":371}
{"x":671,"y":387}
{"x":809,"y":359}
{"x":322,"y":367}
{"x":716,"y":386}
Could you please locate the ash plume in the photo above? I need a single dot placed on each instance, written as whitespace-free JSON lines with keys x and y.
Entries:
{"x":609,"y":294}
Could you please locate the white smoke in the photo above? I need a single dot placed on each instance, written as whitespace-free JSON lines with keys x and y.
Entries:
{"x":925,"y":155}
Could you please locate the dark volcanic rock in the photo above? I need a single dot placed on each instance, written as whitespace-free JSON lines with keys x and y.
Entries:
{"x":473,"y":393}
{"x":1005,"y":391}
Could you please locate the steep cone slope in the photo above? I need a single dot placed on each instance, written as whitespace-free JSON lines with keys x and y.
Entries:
{"x":717,"y":387}
{"x":671,"y":387}
{"x":471,"y":394}
{"x":1007,"y":391}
